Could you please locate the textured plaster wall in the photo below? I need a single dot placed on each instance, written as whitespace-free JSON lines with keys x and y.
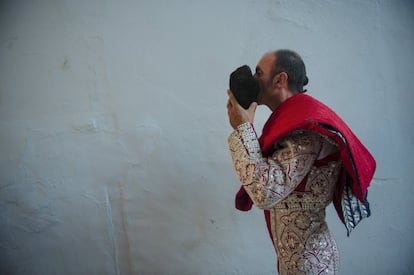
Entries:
{"x":113,"y":128}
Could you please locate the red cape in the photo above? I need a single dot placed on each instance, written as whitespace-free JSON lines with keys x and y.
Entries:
{"x":306,"y":113}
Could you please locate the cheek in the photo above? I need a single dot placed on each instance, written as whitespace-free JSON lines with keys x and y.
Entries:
{"x":261,"y":85}
{"x":262,"y":88}
{"x":260,"y":97}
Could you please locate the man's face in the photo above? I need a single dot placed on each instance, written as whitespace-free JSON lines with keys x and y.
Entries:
{"x":262,"y":75}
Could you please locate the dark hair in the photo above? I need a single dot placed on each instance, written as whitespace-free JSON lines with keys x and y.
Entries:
{"x":290,"y":62}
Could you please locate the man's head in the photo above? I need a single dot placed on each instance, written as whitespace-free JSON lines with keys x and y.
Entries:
{"x":281,"y":74}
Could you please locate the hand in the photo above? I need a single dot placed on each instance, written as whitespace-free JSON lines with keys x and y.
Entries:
{"x":237,"y":114}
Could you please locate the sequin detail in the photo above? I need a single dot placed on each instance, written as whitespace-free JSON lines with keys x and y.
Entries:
{"x":353,"y":210}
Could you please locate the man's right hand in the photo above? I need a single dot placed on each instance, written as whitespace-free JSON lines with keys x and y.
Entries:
{"x":237,"y":114}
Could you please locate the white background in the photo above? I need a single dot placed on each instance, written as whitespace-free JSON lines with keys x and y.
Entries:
{"x":113,"y":131}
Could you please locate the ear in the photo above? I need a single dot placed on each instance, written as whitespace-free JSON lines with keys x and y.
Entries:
{"x":280,"y":80}
{"x":283,"y":79}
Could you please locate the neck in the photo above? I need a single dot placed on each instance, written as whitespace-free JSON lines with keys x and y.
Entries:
{"x":279,"y":99}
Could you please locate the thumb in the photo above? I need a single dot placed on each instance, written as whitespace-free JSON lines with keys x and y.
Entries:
{"x":252,"y":107}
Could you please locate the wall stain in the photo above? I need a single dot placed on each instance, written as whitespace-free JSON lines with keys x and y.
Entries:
{"x":66,"y":64}
{"x":10,"y":42}
{"x":125,"y":227}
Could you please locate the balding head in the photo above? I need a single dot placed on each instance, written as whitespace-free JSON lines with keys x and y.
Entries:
{"x":290,"y":62}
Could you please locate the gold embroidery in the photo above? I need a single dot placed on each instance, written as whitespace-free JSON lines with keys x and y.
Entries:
{"x":301,"y":237}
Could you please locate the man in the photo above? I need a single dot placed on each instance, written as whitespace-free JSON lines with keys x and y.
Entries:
{"x":306,"y":158}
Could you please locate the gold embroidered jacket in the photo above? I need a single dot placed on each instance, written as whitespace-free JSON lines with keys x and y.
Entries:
{"x":295,"y":184}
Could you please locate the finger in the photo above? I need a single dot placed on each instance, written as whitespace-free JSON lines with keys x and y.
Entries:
{"x":229,"y":110}
{"x":229,"y":105}
{"x":232,"y":99}
{"x":230,"y":93}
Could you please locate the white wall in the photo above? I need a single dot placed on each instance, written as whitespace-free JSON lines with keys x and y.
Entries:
{"x":113,"y":130}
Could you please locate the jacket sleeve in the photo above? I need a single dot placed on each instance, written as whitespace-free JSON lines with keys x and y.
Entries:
{"x":268,"y":180}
